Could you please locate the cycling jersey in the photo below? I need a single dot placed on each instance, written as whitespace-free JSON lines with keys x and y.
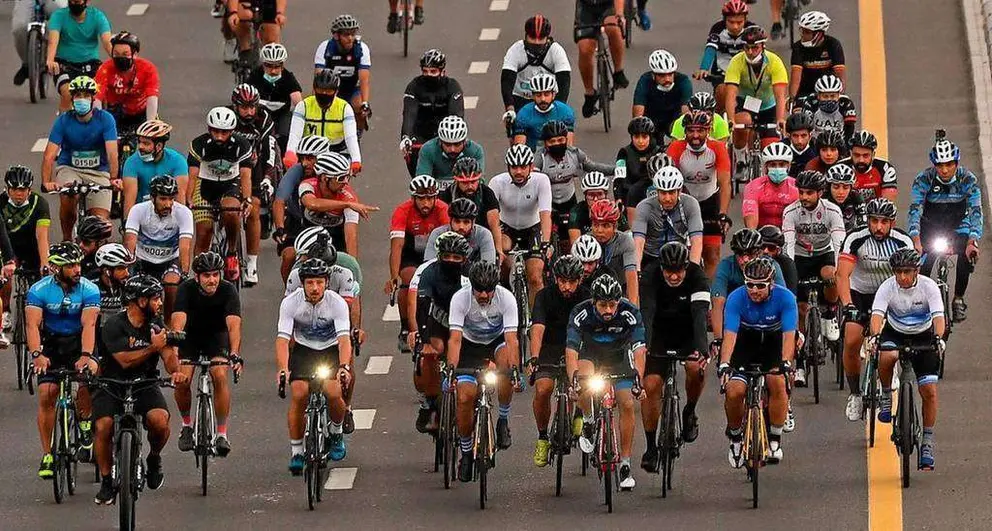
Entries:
{"x":434,"y":162}
{"x":341,"y":281}
{"x":909,"y":311}
{"x":111,"y":299}
{"x":83,"y":144}
{"x":256,"y":132}
{"x":520,"y":206}
{"x":328,"y":218}
{"x":158,"y":236}
{"x":757,"y":83}
{"x":62,"y":311}
{"x":817,"y":232}
{"x":720,"y":48}
{"x":620,"y":255}
{"x":607,"y":343}
{"x":289,"y":191}
{"x":552,"y":310}
{"x":778,"y":313}
{"x":852,"y":209}
{"x":800,"y":158}
{"x":573,"y":165}
{"x":675,"y":317}
{"x":79,"y":41}
{"x":519,"y":68}
{"x":870,"y":184}
{"x":345,"y":63}
{"x":632,"y":169}
{"x":768,"y":200}
{"x":484,"y":198}
{"x":790,"y":273}
{"x":219,"y":161}
{"x":118,"y":335}
{"x":700,"y":169}
{"x":171,"y":163}
{"x":939,"y":206}
{"x":662,"y":107}
{"x":20,"y":224}
{"x":419,"y":272}
{"x":426,"y":101}
{"x":871,"y":257}
{"x":131,"y":89}
{"x":530,"y":121}
{"x":414,"y":229}
{"x":720,"y":130}
{"x":483,"y":324}
{"x":729,"y":277}
{"x":316,"y":326}
{"x":579,"y":219}
{"x":275,"y":96}
{"x":816,"y":61}
{"x":658,"y":226}
{"x":842,"y":119}
{"x":335,"y":123}
{"x":206,"y":315}
{"x":437,"y":286}
{"x":480,"y":241}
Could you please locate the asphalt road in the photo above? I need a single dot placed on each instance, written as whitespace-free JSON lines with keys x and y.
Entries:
{"x":823,"y":482}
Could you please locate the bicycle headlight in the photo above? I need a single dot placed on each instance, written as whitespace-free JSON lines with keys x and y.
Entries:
{"x":940,"y":245}
{"x":596,"y":384}
{"x":323,"y":372}
{"x":490,"y":378}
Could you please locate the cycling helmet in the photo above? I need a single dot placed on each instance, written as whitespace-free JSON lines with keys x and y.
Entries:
{"x":314,"y":268}
{"x":537,"y":27}
{"x":810,"y":180}
{"x":745,"y":241}
{"x":828,"y":83}
{"x":668,"y":179}
{"x":140,"y":286}
{"x":466,"y":169}
{"x":606,"y":288}
{"x":208,"y":261}
{"x":595,"y":180}
{"x":127,"y":38}
{"x":114,"y":255}
{"x":568,"y":267}
{"x":309,"y":236}
{"x":433,"y":58}
{"x":18,"y":176}
{"x":881,"y":208}
{"x":777,"y":151}
{"x":697,"y":119}
{"x":641,"y":125}
{"x":554,"y":129}
{"x":94,"y":228}
{"x":604,"y":210}
{"x":543,"y":82}
{"x":344,"y":23}
{"x":244,"y":95}
{"x":587,"y":249}
{"x":82,"y":84}
{"x":814,"y":21}
{"x":662,"y":62}
{"x":331,"y":164}
{"x":674,"y":256}
{"x":754,"y":35}
{"x":905,"y":258}
{"x":702,"y":101}
{"x":519,"y":155}
{"x":326,"y":80}
{"x":829,"y":138}
{"x":451,"y":242}
{"x":735,"y":7}
{"x":163,"y":186}
{"x":659,"y":161}
{"x":944,"y":151}
{"x":841,"y":174}
{"x":313,"y":145}
{"x":222,"y":118}
{"x":798,"y":121}
{"x":760,"y":269}
{"x":65,"y":253}
{"x":463,"y":208}
{"x":484,"y":276}
{"x":324,"y":250}
{"x":154,"y":129}
{"x":772,"y":235}
{"x":273,"y":53}
{"x":452,"y":130}
{"x":423,"y":186}
{"x":864,"y":139}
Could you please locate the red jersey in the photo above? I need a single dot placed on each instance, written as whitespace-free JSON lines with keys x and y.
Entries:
{"x":130,"y":89}
{"x":331,"y":218}
{"x":700,"y":169}
{"x":407,"y":223}
{"x":869,"y":184}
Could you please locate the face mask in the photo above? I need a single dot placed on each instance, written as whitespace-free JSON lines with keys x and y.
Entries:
{"x":123,"y":63}
{"x":534,"y":51}
{"x":778,"y":175}
{"x":272,"y":79}
{"x":756,"y":60}
{"x":861,"y":167}
{"x":701,"y":148}
{"x":15,"y":204}
{"x":557,"y":151}
{"x":432,"y":82}
{"x":77,"y":9}
{"x":829,"y":106}
{"x":665,"y":88}
{"x":543,"y":110}
{"x":82,"y":106}
{"x":146,"y":157}
{"x":808,"y":44}
{"x":450,"y":269}
{"x":323,"y":99}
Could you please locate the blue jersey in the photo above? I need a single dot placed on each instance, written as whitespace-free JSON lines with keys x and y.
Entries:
{"x":777,"y":313}
{"x":662,"y":107}
{"x":938,"y":206}
{"x":530,"y":121}
{"x":172,"y":163}
{"x":62,"y":312}
{"x":289,"y":191}
{"x":84,"y":144}
{"x":729,"y":277}
{"x":606,"y":342}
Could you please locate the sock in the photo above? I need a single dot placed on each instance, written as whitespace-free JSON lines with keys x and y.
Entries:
{"x":651,"y":439}
{"x":154,"y":460}
{"x":423,"y":401}
{"x":625,"y":461}
{"x":296,"y":446}
{"x":886,"y":398}
{"x":222,"y":429}
{"x":187,"y":420}
{"x":252,"y":261}
{"x":775,"y":433}
{"x":466,"y":444}
{"x":431,"y":402}
{"x":854,"y":384}
{"x":542,"y":435}
{"x":336,"y":428}
{"x":927,"y":436}
{"x":504,"y":411}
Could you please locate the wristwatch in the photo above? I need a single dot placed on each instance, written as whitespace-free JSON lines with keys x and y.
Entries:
{"x":35,"y":354}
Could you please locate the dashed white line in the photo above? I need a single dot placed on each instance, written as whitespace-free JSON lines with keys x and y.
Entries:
{"x":363,"y":418}
{"x":478,"y":67}
{"x":341,"y":479}
{"x":39,"y":145}
{"x":489,"y":34}
{"x":379,"y":365}
{"x":499,"y":5}
{"x":391,"y":314}
{"x":471,"y":102}
{"x":136,"y":10}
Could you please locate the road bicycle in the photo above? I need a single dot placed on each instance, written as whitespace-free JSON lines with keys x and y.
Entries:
{"x":754,"y":451}
{"x":38,"y":52}
{"x":65,"y":433}
{"x":521,"y":294}
{"x":605,"y":89}
{"x":447,"y":436}
{"x":814,"y":350}
{"x":484,"y":433}
{"x":907,"y":427}
{"x":560,"y":431}
{"x":752,"y":155}
{"x":218,"y":241}
{"x":80,"y":191}
{"x":604,"y":451}
{"x":629,"y":20}
{"x":22,"y":282}
{"x":870,"y":393}
{"x":205,"y":423}
{"x":940,"y":273}
{"x":406,"y":24}
{"x":242,"y":69}
{"x":670,"y":441}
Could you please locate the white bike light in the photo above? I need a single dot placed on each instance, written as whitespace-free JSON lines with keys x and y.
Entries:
{"x":323,"y":372}
{"x":597,"y":384}
{"x":490,"y":378}
{"x":940,"y":245}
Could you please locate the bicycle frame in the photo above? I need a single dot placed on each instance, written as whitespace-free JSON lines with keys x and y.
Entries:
{"x":669,"y":438}
{"x":755,"y":447}
{"x":814,"y":348}
{"x":19,"y":339}
{"x":518,"y":284}
{"x":218,"y":238}
{"x":907,"y":426}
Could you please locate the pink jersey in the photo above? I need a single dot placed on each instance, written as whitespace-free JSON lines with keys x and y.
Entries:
{"x":768,"y":200}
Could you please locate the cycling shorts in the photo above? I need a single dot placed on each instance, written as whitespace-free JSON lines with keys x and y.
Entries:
{"x":926,"y":364}
{"x":560,"y":214}
{"x":809,"y":267}
{"x":209,"y":193}
{"x":764,"y":117}
{"x":303,"y":361}
{"x":709,"y":209}
{"x":65,"y":175}
{"x":160,"y":270}
{"x":146,"y":399}
{"x":588,"y":18}
{"x":62,"y":352}
{"x":478,"y":356}
{"x":266,"y":9}
{"x":755,"y":347}
{"x":69,"y":71}
{"x":211,"y":345}
{"x":863,"y":302}
{"x":528,"y":239}
{"x":292,"y":225}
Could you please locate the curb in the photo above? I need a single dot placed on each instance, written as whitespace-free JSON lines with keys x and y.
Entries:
{"x":978,"y":24}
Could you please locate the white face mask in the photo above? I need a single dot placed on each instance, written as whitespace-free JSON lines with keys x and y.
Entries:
{"x":15,"y":204}
{"x":665,"y":88}
{"x":757,"y":59}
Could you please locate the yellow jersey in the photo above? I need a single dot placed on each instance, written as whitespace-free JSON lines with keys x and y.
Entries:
{"x":757,"y":84}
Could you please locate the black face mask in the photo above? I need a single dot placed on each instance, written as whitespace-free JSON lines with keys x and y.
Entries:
{"x":324,"y":99}
{"x":77,"y":9}
{"x":432,"y":82}
{"x":557,"y":151}
{"x":450,"y":269}
{"x":829,"y":107}
{"x":123,"y":63}
{"x":536,"y":52}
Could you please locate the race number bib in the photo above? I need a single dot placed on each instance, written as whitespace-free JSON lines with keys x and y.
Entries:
{"x":86,"y":159}
{"x":752,"y":104}
{"x":159,"y":252}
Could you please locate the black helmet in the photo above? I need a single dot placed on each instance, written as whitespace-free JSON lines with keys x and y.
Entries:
{"x":484,"y":276}
{"x":864,"y":139}
{"x":433,"y":58}
{"x":745,"y":241}
{"x":326,"y":80}
{"x":905,"y":258}
{"x":606,"y":288}
{"x":810,"y":180}
{"x":207,"y":261}
{"x":463,"y":208}
{"x":799,"y":121}
{"x":140,"y":286}
{"x":754,"y":35}
{"x":830,"y":138}
{"x":324,"y":250}
{"x":163,"y":185}
{"x":18,"y":176}
{"x":880,"y":207}
{"x":702,"y":101}
{"x":674,"y":256}
{"x":772,"y":235}
{"x":466,"y":166}
{"x":554,"y":128}
{"x":568,"y":267}
{"x":94,"y":228}
{"x":128,"y":38}
{"x":697,"y":119}
{"x":451,"y":242}
{"x":537,"y":27}
{"x":314,"y":268}
{"x":641,"y":125}
{"x":64,"y":253}
{"x":760,"y":269}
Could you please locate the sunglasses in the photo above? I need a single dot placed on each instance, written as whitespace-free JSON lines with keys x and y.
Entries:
{"x":771,"y":248}
{"x":757,"y":285}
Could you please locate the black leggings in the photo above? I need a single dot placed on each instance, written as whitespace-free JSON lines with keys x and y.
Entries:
{"x":964,"y":267}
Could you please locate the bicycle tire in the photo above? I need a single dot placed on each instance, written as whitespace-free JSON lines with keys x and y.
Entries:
{"x":127,"y":487}
{"x":21,"y":365}
{"x":872,"y":400}
{"x":585,"y":463}
{"x":813,"y":354}
{"x":58,"y":454}
{"x":204,"y":443}
{"x":606,"y":465}
{"x":559,"y":440}
{"x":309,"y":472}
{"x":35,"y":64}
{"x":482,"y":457}
{"x":406,"y":27}
{"x":839,"y":361}
{"x":755,"y":452}
{"x":446,"y":433}
{"x":906,"y":420}
{"x":663,"y":441}
{"x":671,"y":442}
{"x":628,"y":15}
{"x":603,"y":81}
{"x":71,"y":465}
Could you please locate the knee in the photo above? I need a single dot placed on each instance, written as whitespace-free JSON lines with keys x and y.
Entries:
{"x":157,"y":420}
{"x":543,"y":388}
{"x":104,"y":425}
{"x":586,"y":46}
{"x":928,"y":392}
{"x":735,"y":392}
{"x":219,"y":376}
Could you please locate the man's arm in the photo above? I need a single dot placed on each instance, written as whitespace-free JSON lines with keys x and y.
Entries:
{"x":32,"y":327}
{"x":41,"y":234}
{"x":633,"y":292}
{"x":795,"y":78}
{"x":351,"y":239}
{"x":185,"y":254}
{"x":454,"y":348}
{"x":48,"y":163}
{"x":112,"y":159}
{"x":88,"y":320}
{"x":536,"y":340}
{"x":131,"y":193}
{"x":282,"y":355}
{"x":395,"y":254}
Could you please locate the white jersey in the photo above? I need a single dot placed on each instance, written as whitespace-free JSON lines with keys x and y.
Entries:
{"x":415,"y":280}
{"x":909,"y":311}
{"x":555,"y":60}
{"x":520,"y":206}
{"x":317,"y":326}
{"x":341,"y":281}
{"x":817,"y":232}
{"x":483,"y":324}
{"x":158,"y":236}
{"x":871,"y":257}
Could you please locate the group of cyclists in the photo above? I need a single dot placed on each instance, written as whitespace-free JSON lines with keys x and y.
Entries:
{"x":610,"y":278}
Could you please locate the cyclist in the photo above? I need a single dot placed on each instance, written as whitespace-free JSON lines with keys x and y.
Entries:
{"x":645,"y":187}
{"x":840,"y":180}
{"x":590,"y":253}
{"x":150,"y":159}
{"x":874,"y":177}
{"x":662,"y":94}
{"x":746,"y":245}
{"x":670,"y":216}
{"x":316,"y":320}
{"x":91,"y":233}
{"x":160,"y":233}
{"x":832,"y":110}
{"x":799,"y":128}
{"x":241,"y":16}
{"x":549,"y":325}
{"x":829,"y":147}
{"x":706,"y":165}
{"x":348,"y":57}
{"x":427,"y":100}
{"x":632,"y":160}
{"x":815,"y":55}
{"x":393,"y":24}
{"x":767,"y":196}
{"x":722,"y":44}
{"x":21,"y":16}
{"x":114,"y":261}
{"x":75,"y":35}
{"x":325,"y":114}
{"x":208,"y":309}
{"x":705,"y":102}
{"x":530,"y":121}
{"x":322,"y":199}
{"x":595,"y":186}
{"x":463,"y":213}
{"x":618,"y":249}
{"x":278,"y":89}
{"x":25,"y":222}
{"x":128,"y":84}
{"x":592,"y":17}
{"x":82,"y":148}
{"x":60,"y":328}
{"x":759,"y":328}
{"x":946,"y":202}
{"x":602,"y":332}
{"x":411,"y":225}
{"x":772,"y":242}
{"x":483,"y":320}
{"x":437,"y":157}
{"x":468,"y":184}
{"x":536,"y":53}
{"x":525,"y":200}
{"x":861,"y":269}
{"x":675,"y":309}
{"x":135,"y":340}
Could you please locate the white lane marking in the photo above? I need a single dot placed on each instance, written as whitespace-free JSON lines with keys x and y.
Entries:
{"x":499,"y":5}
{"x":340,"y":479}
{"x":136,"y":10}
{"x":363,"y":418}
{"x":379,"y":365}
{"x":489,"y":34}
{"x":478,"y":67}
{"x":39,"y":145}
{"x":980,"y":65}
{"x":391,"y":313}
{"x":471,"y":102}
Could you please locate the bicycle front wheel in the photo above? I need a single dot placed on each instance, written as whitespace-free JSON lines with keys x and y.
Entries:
{"x":906,"y":419}
{"x":407,"y":21}
{"x":755,"y":456}
{"x":71,"y":444}
{"x":127,"y":482}
{"x":560,"y":439}
{"x":60,"y":454}
{"x":603,"y":76}
{"x":203,"y":443}
{"x":667,"y":445}
{"x":482,"y":457}
{"x":607,"y":458}
{"x":628,"y":15}
{"x":446,"y":433}
{"x":36,"y":64}
{"x":872,"y":398}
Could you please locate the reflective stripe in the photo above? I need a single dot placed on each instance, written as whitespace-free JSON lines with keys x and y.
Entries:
{"x":326,"y":123}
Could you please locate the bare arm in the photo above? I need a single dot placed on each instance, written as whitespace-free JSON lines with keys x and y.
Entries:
{"x":696,"y":249}
{"x":48,"y":163}
{"x":364,"y":83}
{"x":130,"y":241}
{"x":282,"y":354}
{"x":234,"y":332}
{"x":454,"y":348}
{"x":131,"y":194}
{"x":351,"y":239}
{"x":751,"y":221}
{"x":716,"y":316}
{"x":185,"y":254}
{"x":183,"y":182}
{"x":638,"y":250}
{"x":633,"y":291}
{"x":844,"y":270}
{"x":545,"y":226}
{"x":41,"y":234}
{"x":795,"y":77}
{"x":112,"y":159}
{"x":32,"y":327}
{"x":536,"y":340}
{"x":88,"y":320}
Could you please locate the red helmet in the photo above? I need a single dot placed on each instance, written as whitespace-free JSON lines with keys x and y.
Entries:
{"x":245,"y":94}
{"x":735,"y":7}
{"x":604,"y":210}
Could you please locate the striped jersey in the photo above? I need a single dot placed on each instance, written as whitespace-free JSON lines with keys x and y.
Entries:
{"x":871,"y":257}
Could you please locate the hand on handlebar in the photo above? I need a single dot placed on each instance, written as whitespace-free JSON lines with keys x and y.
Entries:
{"x":700,"y":75}
{"x":406,"y":143}
{"x":179,"y":377}
{"x":50,"y":186}
{"x":509,"y":116}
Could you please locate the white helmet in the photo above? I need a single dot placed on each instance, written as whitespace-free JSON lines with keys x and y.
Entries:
{"x":519,"y":155}
{"x":543,"y":82}
{"x":452,"y":130}
{"x":273,"y":53}
{"x":595,"y":180}
{"x":113,"y":255}
{"x":777,"y":151}
{"x":222,"y":118}
{"x":814,"y":21}
{"x":332,"y":164}
{"x":587,"y":249}
{"x":313,"y":145}
{"x":662,"y":62}
{"x":668,"y":179}
{"x":423,"y":186}
{"x":828,"y":83}
{"x":309,"y":236}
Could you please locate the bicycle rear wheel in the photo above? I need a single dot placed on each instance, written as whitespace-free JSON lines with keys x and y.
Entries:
{"x":407,"y":23}
{"x":127,"y":486}
{"x":71,"y":444}
{"x":668,"y":442}
{"x":447,"y":440}
{"x":603,"y":77}
{"x":813,"y":359}
{"x":906,"y":419}
{"x":59,"y":453}
{"x":628,"y":15}
{"x":607,"y":464}
{"x":559,"y":439}
{"x":36,"y":65}
{"x":203,"y":442}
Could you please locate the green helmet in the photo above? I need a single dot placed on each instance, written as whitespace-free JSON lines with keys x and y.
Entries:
{"x":65,"y":253}
{"x":82,"y":84}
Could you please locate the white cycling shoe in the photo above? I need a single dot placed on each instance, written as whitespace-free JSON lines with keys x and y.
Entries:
{"x":831,"y":330}
{"x":854,"y":407}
